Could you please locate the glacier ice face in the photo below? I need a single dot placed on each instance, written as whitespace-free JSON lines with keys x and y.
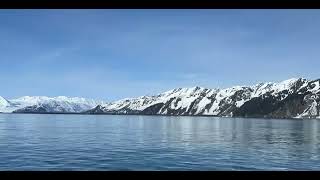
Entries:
{"x":51,"y":104}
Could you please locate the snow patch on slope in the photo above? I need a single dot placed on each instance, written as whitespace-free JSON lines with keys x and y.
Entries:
{"x":240,"y":103}
{"x":224,"y":95}
{"x":284,"y":85}
{"x":202,"y":104}
{"x":311,"y":111}
{"x":316,"y":88}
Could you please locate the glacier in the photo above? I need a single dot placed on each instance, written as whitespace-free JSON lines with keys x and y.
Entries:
{"x":52,"y":104}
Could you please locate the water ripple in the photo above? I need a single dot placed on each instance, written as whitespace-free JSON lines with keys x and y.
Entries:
{"x":71,"y":142}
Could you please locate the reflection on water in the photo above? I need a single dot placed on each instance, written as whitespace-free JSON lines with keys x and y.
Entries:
{"x":84,"y":142}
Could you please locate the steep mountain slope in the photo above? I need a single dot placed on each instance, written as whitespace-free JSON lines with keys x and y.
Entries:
{"x":298,"y":98}
{"x":295,"y":97}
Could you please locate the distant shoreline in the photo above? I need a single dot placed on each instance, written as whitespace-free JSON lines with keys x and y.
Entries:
{"x":113,"y":114}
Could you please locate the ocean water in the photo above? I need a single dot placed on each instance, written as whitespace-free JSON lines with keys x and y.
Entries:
{"x":111,"y":142}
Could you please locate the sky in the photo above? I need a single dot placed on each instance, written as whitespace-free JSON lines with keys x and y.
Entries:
{"x":114,"y":54}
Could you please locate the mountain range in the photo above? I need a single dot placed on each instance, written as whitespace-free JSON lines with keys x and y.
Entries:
{"x":292,"y":98}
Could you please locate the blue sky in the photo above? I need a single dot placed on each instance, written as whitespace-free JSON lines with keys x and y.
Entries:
{"x":112,"y":54}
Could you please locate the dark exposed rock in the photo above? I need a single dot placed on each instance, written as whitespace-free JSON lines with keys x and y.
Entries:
{"x":96,"y":110}
{"x":32,"y":109}
{"x":152,"y":109}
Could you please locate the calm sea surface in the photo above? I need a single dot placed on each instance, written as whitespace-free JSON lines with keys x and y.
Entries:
{"x":110,"y":142}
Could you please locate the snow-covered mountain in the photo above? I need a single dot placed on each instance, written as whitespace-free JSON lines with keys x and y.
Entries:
{"x":292,"y":98}
{"x":43,"y":104}
{"x":295,"y":97}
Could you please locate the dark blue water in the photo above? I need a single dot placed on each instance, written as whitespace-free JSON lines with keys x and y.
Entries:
{"x":87,"y":142}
